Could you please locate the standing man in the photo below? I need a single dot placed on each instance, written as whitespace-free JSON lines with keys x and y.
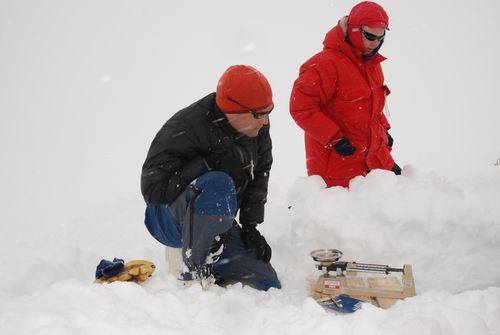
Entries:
{"x":208,"y":161}
{"x":339,"y":97}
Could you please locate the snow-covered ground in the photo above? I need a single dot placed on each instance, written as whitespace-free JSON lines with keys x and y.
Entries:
{"x":85,"y":85}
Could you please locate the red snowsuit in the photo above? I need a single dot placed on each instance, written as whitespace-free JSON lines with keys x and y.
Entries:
{"x":339,"y":94}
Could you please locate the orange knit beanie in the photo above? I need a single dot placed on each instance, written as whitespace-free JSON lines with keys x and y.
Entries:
{"x":247,"y":86}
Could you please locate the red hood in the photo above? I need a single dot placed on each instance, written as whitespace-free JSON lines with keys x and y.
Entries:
{"x":334,"y":39}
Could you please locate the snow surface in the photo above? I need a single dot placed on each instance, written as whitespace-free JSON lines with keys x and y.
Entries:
{"x":85,"y":85}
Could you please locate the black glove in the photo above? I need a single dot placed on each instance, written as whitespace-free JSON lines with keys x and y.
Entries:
{"x":344,"y":147}
{"x":390,"y":140}
{"x":253,"y":240}
{"x":229,"y":165}
{"x":396,"y":169}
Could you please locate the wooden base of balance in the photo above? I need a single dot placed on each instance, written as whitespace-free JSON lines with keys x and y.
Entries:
{"x":382,"y":291}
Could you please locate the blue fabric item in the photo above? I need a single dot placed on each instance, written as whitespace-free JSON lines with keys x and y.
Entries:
{"x":342,"y":304}
{"x":108,"y":269}
{"x":218,"y":196}
{"x":163,"y":226}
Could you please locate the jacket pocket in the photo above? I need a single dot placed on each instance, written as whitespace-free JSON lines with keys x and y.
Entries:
{"x":354,"y":94}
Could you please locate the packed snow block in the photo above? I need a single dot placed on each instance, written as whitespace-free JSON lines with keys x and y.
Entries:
{"x":117,"y":270}
{"x":173,"y":256}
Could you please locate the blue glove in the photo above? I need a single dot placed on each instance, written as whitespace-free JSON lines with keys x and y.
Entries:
{"x":344,"y":147}
{"x":107,"y":269}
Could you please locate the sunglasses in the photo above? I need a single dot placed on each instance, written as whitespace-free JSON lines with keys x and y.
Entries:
{"x":256,"y":115}
{"x":372,"y":37}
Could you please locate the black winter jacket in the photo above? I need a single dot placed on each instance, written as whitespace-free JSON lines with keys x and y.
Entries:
{"x":175,"y":157}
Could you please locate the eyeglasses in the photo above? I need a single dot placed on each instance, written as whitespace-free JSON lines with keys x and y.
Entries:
{"x":256,"y":115}
{"x":372,"y":37}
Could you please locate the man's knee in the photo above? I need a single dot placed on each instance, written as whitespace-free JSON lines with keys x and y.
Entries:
{"x":217,"y":194}
{"x":216,"y":181}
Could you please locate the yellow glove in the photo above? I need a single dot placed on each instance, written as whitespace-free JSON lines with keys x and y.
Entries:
{"x":138,"y":271}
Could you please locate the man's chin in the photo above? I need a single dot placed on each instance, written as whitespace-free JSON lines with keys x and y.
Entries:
{"x":253,"y":133}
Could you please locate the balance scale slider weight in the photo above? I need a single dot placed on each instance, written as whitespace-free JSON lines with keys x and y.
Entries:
{"x":341,"y":281}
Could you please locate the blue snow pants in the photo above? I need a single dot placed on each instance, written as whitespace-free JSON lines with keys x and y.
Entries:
{"x":202,"y":213}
